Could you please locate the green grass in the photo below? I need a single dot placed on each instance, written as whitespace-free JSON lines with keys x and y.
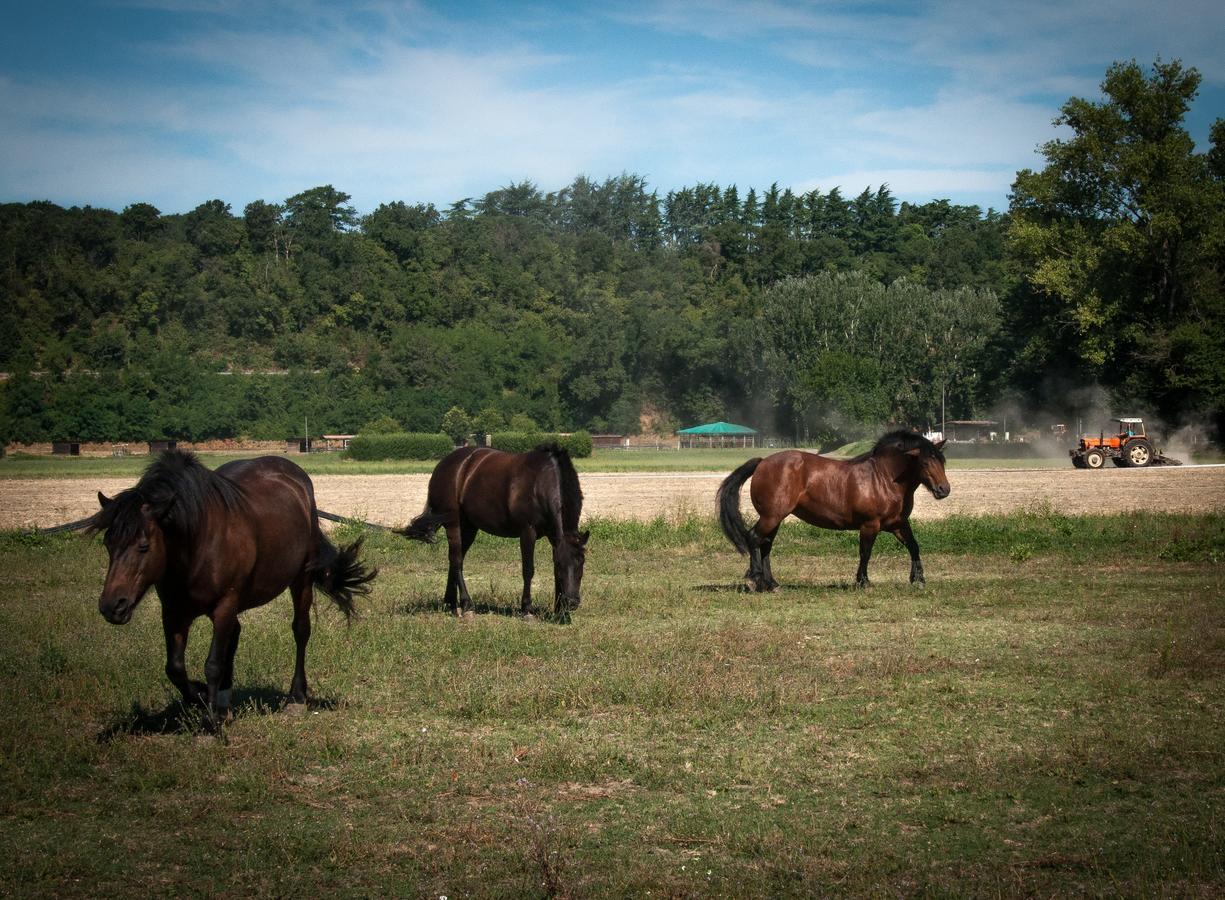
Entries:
{"x":21,"y":465}
{"x":1044,"y":718}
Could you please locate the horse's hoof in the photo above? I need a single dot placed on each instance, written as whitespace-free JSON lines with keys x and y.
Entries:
{"x":468,"y":615}
{"x":774,"y":588}
{"x":527,"y":616}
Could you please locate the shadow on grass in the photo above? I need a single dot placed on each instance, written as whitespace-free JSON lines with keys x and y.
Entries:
{"x":422,"y":605}
{"x":725,"y":588}
{"x":178,"y":717}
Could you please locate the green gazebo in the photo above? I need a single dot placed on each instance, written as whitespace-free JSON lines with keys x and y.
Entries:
{"x":718,"y":434}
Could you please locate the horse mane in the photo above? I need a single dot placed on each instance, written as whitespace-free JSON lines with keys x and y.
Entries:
{"x":571,"y":491}
{"x":178,"y":488}
{"x":904,"y":441}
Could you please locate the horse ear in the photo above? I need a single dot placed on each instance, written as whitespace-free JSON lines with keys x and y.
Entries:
{"x":103,"y":500}
{"x":940,"y":443}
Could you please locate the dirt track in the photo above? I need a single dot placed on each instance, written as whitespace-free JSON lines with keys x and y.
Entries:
{"x":393,"y":499}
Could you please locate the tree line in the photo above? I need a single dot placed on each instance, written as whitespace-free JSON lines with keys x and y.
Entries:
{"x":604,"y":305}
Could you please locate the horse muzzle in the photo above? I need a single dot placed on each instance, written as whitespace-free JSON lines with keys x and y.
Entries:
{"x":118,"y":611}
{"x":570,"y":603}
{"x":941,"y":491}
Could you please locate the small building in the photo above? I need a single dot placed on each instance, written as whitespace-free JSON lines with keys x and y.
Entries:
{"x":610,"y":441}
{"x":162,"y":446}
{"x":717,"y":434}
{"x":965,"y":431}
{"x":336,"y":441}
{"x":66,"y":448}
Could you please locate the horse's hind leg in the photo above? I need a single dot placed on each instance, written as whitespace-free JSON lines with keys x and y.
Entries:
{"x":906,"y":536}
{"x":455,"y":561}
{"x":527,"y":550}
{"x":225,"y":633}
{"x":303,"y":590}
{"x":459,"y":539}
{"x":767,"y":544}
{"x":761,"y":540}
{"x":176,"y":627}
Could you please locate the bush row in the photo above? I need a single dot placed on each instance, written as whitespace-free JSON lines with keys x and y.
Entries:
{"x":406,"y":445}
{"x":578,"y":443}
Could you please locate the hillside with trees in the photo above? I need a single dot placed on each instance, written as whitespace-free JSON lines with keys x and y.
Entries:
{"x":816,"y":314}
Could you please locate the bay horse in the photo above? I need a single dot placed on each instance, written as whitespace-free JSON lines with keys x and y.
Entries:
{"x":215,"y":544}
{"x":873,"y":492}
{"x":525,"y":495}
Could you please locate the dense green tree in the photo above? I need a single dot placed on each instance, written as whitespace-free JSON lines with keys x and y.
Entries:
{"x":1117,"y":243}
{"x":456,"y":424}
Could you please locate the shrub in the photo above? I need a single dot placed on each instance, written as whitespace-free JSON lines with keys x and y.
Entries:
{"x":456,"y":424}
{"x":578,"y":443}
{"x":382,"y":425}
{"x":405,"y":445}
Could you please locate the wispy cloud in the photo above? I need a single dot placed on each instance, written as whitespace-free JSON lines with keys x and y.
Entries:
{"x":394,"y":100}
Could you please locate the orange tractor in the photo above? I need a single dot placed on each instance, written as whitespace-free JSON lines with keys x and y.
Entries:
{"x":1131,"y":447}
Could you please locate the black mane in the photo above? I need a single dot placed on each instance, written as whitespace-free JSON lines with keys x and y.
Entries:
{"x":571,"y":492}
{"x":905,"y":441}
{"x":177,"y":487}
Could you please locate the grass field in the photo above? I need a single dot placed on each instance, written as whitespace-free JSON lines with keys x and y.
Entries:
{"x":38,"y":466}
{"x":1044,"y":718}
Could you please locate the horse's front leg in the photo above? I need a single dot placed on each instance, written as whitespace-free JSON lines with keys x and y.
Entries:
{"x":176,"y":625}
{"x":220,"y":660}
{"x":867,"y":537}
{"x":906,"y":536}
{"x":527,"y":550}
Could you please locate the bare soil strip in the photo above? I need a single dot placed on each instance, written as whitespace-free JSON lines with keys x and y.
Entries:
{"x":394,"y":499}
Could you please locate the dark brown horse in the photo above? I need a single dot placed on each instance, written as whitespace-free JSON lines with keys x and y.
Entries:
{"x":525,"y":495}
{"x":215,"y":544}
{"x":873,"y":492}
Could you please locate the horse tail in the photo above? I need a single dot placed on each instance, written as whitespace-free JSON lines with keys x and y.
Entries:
{"x":340,"y":574}
{"x":728,"y":500}
{"x":423,"y":527}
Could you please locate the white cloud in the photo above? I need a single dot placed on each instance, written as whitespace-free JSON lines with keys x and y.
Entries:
{"x":424,"y":109}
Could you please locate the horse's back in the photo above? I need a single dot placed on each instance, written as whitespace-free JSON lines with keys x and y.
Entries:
{"x":444,"y":487}
{"x":817,"y":489}
{"x":497,"y":491}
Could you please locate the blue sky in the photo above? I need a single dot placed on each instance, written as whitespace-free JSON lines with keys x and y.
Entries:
{"x":175,"y":102}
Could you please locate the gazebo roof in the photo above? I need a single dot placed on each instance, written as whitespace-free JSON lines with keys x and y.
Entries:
{"x":718,"y":428}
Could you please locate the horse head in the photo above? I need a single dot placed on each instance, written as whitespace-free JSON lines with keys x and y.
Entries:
{"x":917,"y":461}
{"x":930,"y":464}
{"x":136,"y":544}
{"x":569,"y":556}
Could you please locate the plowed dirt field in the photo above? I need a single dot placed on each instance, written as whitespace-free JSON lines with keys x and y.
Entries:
{"x":394,"y":499}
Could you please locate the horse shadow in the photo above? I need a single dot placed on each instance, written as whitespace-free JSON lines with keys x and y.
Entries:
{"x":425,"y":606}
{"x":180,"y":717}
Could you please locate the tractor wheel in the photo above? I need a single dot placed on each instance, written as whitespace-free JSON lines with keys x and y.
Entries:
{"x":1079,"y":462}
{"x":1118,"y":461}
{"x":1138,"y":453}
{"x":1094,"y":459}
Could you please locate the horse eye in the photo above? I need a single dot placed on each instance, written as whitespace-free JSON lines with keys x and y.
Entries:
{"x":143,"y":547}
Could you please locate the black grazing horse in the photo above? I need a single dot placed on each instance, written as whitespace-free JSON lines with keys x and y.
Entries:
{"x":525,"y":495}
{"x":215,"y":544}
{"x":871,"y":493}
